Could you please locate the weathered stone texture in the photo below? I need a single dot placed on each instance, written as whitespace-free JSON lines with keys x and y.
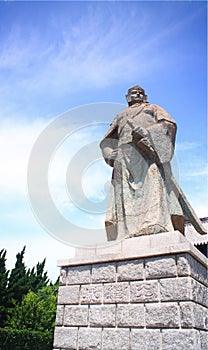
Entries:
{"x":199,"y":293}
{"x":78,"y":274}
{"x":89,"y":339}
{"x":59,"y":315}
{"x":104,"y":272}
{"x":116,"y":293}
{"x":130,"y":270}
{"x":115,"y":339}
{"x":160,"y":267}
{"x":144,"y":291}
{"x":76,"y":315}
{"x":187,"y":265}
{"x":130,"y":315}
{"x":68,"y":295}
{"x":193,"y":315}
{"x":65,"y":338}
{"x":155,"y":303}
{"x":91,"y":294}
{"x":102,"y":316}
{"x":203,"y":340}
{"x":175,"y":289}
{"x":162,"y":315}
{"x":145,"y":339}
{"x":180,"y":340}
{"x":62,"y":277}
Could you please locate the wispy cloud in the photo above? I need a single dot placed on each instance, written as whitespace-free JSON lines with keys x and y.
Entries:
{"x":95,"y":49}
{"x":16,"y":142}
{"x":187,"y":145}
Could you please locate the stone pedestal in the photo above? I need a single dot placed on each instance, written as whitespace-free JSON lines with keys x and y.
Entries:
{"x":144,"y":293}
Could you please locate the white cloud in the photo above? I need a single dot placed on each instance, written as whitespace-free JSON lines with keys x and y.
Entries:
{"x":16,"y":141}
{"x":37,"y":248}
{"x":90,"y":50}
{"x":186,"y":145}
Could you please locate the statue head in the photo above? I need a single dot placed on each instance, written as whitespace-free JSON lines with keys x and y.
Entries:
{"x":136,"y":95}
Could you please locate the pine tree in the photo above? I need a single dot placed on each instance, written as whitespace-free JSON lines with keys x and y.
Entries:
{"x":18,"y":284}
{"x":3,"y":287}
{"x":37,"y":277}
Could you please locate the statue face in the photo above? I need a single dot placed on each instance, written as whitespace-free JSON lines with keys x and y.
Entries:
{"x":135,"y":96}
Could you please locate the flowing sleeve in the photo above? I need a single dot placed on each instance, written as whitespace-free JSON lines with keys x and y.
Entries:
{"x":109,"y":143}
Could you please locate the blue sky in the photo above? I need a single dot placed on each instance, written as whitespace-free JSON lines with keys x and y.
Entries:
{"x":60,"y":55}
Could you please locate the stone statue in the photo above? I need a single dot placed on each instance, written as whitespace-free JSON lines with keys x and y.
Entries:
{"x":144,"y":196}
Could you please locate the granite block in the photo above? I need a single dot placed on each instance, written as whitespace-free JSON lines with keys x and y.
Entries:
{"x":91,"y":294}
{"x":68,"y":295}
{"x":162,"y":315}
{"x":144,"y":291}
{"x":131,"y":315}
{"x":130,"y":270}
{"x":102,"y":316}
{"x":116,"y":292}
{"x":143,"y":339}
{"x":103,"y":273}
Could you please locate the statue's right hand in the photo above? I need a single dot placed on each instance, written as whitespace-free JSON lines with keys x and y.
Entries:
{"x":139,"y":132}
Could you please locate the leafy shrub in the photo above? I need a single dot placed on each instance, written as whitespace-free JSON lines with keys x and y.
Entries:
{"x":25,"y":340}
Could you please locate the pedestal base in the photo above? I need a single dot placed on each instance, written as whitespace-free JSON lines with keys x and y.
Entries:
{"x":144,"y":293}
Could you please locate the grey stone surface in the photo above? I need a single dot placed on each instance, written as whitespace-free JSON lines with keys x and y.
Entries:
{"x":116,"y":292}
{"x":78,"y":274}
{"x":183,"y":266}
{"x":89,"y":339}
{"x":130,"y":270}
{"x":115,"y":339}
{"x":162,"y":315}
{"x":104,"y":272}
{"x":102,"y":316}
{"x":201,"y":315}
{"x":59,"y":315}
{"x":193,"y":315}
{"x":130,"y":315}
{"x":199,"y":293}
{"x":144,"y":291}
{"x":161,"y":312}
{"x":143,"y":247}
{"x":180,"y":340}
{"x":160,"y":267}
{"x":76,"y":315}
{"x":175,"y":289}
{"x":187,"y":315}
{"x":65,"y":337}
{"x":142,"y":339}
{"x":62,"y":277}
{"x":203,"y":340}
{"x":91,"y":294}
{"x":140,"y":140}
{"x":187,"y":265}
{"x":68,"y":295}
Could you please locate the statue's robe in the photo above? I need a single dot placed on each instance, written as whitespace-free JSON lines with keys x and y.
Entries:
{"x":142,"y":199}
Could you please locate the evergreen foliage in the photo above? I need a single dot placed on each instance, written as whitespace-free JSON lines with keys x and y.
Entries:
{"x":18,"y":284}
{"x":11,"y":339}
{"x":4,"y":300}
{"x":37,"y":311}
{"x":27,"y":306}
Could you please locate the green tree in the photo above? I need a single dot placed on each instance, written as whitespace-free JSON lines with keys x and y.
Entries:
{"x":37,"y":311}
{"x":3,"y":287}
{"x":38,"y":278}
{"x":18,"y":284}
